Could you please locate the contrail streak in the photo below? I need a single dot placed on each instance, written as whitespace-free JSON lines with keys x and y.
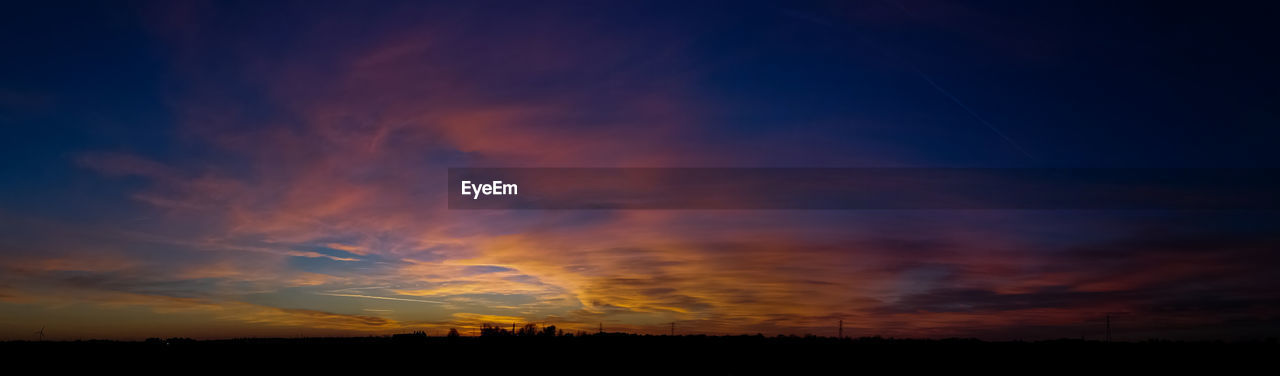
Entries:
{"x":379,"y":297}
{"x":918,"y":72}
{"x":971,"y":112}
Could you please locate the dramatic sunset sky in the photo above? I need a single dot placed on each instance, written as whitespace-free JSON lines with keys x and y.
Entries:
{"x":278,"y":168}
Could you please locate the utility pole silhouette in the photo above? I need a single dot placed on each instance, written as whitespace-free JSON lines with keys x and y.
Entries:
{"x":1108,"y":328}
{"x":602,"y":327}
{"x":673,"y":328}
{"x":41,"y":332}
{"x":841,"y":330}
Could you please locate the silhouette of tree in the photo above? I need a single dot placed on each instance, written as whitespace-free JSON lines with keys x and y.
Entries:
{"x":494,"y":331}
{"x":415,"y":337}
{"x":529,"y":330}
{"x":453,"y":333}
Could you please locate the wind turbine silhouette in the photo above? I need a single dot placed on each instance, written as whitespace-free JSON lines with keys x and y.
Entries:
{"x":41,"y":332}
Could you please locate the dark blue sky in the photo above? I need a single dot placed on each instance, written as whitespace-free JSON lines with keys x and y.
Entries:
{"x":1072,"y":83}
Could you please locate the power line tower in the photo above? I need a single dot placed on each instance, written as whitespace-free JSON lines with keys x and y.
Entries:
{"x":673,"y":328}
{"x":602,"y":327}
{"x":841,"y":330}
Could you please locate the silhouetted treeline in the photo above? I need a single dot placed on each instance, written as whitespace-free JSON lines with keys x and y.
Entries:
{"x":528,"y":330}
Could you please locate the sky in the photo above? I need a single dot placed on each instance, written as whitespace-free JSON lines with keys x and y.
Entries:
{"x":255,"y":169}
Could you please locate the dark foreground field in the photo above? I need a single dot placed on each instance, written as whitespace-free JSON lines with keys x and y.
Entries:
{"x":678,"y":354}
